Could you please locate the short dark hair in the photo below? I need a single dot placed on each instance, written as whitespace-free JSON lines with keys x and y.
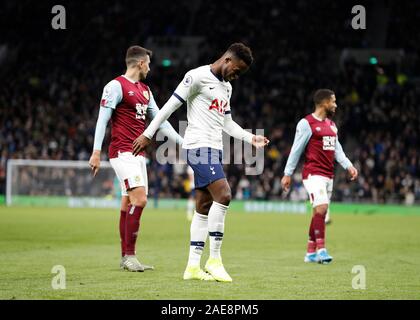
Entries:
{"x":242,"y":52}
{"x":322,"y":94}
{"x":134,"y":53}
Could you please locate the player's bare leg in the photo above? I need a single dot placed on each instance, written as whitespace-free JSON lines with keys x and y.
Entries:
{"x":198,"y":237}
{"x":138,"y":200}
{"x":221,"y":194}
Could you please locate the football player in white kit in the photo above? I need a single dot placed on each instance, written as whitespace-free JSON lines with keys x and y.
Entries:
{"x":207,"y":91}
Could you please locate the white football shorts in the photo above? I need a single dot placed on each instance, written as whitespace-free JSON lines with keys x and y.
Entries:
{"x":131,"y":171}
{"x":319,"y":189}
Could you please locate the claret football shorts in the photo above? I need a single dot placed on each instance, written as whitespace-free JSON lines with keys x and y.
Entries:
{"x":130,"y":170}
{"x":319,"y":189}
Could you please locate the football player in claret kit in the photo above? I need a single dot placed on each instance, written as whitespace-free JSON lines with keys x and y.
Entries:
{"x":207,"y":90}
{"x":316,"y":137}
{"x":128,"y":102}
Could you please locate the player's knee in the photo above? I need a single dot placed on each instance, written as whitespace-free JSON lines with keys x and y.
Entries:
{"x":204,"y":208}
{"x":322,"y":209}
{"x":139,"y":201}
{"x":138,"y":197}
{"x":225,"y":197}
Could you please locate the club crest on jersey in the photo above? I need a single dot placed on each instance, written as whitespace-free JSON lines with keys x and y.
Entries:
{"x":334,"y":129}
{"x":219,"y":106}
{"x":146,"y":94}
{"x":131,"y":93}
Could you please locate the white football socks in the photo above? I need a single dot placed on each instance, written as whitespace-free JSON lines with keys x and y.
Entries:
{"x":198,"y":233}
{"x":216,"y":227}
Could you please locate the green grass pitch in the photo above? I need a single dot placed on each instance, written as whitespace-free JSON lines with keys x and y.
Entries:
{"x":262,"y":252}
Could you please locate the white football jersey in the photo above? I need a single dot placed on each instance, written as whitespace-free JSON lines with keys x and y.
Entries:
{"x":208,"y":100}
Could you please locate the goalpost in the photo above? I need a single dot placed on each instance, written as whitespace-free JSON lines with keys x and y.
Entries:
{"x":60,"y":183}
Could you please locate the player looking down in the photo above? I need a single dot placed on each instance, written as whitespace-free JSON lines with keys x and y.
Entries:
{"x":206,"y":91}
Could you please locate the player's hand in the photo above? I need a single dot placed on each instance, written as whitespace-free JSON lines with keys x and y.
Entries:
{"x":139,"y":144}
{"x":259,"y":141}
{"x":353,"y":173}
{"x":285,"y":183}
{"x":95,"y":161}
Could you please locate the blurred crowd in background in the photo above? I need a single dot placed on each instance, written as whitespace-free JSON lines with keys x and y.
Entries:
{"x":52,"y":81}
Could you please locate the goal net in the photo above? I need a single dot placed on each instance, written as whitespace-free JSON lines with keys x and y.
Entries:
{"x":60,"y":183}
